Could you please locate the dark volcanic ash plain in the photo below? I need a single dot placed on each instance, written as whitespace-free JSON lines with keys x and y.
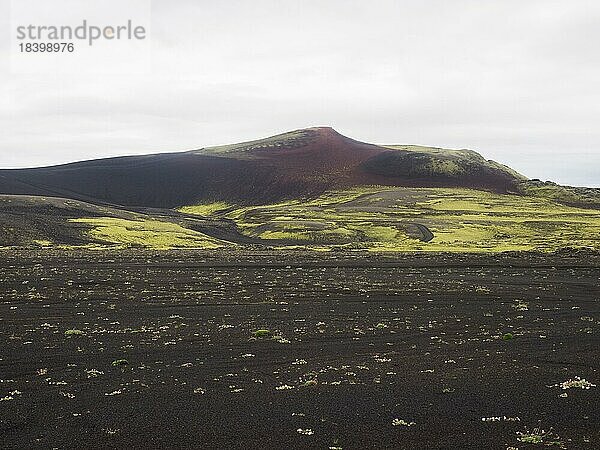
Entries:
{"x":141,"y":349}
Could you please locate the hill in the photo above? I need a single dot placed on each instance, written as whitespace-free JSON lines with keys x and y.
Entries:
{"x":302,"y":163}
{"x":53,"y":221}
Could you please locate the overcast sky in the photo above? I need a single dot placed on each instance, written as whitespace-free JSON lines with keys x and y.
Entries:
{"x":518,"y":81}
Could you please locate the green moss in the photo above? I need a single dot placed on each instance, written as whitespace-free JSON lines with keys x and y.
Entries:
{"x":445,"y":167}
{"x":380,"y":218}
{"x":289,"y":139}
{"x":551,"y":191}
{"x":205,"y":209}
{"x":74,"y":332}
{"x":262,"y":333}
{"x":380,"y":233}
{"x":435,"y":161}
{"x":120,"y":363}
{"x":338,"y":232}
{"x":285,"y":235}
{"x":42,"y":242}
{"x":147,"y":233}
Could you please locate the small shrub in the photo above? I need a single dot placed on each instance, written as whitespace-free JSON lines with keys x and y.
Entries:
{"x":507,"y":336}
{"x":539,"y":436}
{"x":402,"y":423}
{"x":262,"y":333}
{"x":521,"y":305}
{"x":281,"y":340}
{"x":580,"y":383}
{"x":306,"y":432}
{"x":74,"y":332}
{"x":93,"y":373}
{"x":120,"y":363}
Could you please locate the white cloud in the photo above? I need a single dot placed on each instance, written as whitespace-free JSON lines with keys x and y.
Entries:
{"x":517,"y":81}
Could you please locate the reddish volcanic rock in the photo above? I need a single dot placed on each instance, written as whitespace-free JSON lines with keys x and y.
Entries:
{"x":301,"y":163}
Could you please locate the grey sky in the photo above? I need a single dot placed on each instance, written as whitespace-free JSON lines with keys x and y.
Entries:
{"x":518,"y":81}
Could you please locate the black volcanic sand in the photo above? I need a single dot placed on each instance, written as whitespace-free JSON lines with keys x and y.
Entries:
{"x":416,"y":338}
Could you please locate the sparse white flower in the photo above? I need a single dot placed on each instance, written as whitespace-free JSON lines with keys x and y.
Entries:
{"x":381,"y":359}
{"x":117,"y":392}
{"x":305,"y":431}
{"x":93,"y":373}
{"x":576,"y":382}
{"x":402,"y":422}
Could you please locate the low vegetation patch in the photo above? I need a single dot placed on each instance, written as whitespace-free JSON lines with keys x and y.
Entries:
{"x":379,"y":218}
{"x":74,"y":332}
{"x":577,"y":383}
{"x":120,"y":363}
{"x":205,"y":209}
{"x":263,"y":333}
{"x":402,"y":423}
{"x":541,"y":437}
{"x":146,"y":233}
